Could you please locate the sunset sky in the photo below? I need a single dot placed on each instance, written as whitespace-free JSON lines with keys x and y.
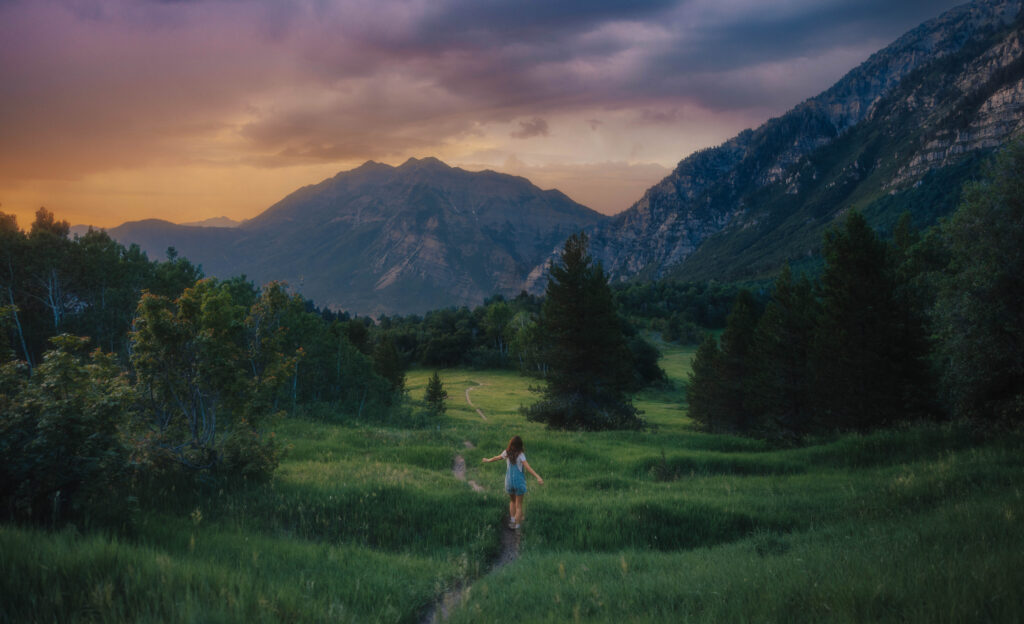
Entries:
{"x":184,"y":110}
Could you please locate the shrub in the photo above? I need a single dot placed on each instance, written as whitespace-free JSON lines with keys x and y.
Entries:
{"x":61,"y":436}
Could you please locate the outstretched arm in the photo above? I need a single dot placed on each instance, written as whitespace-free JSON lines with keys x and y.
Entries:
{"x":488,"y":460}
{"x":526,"y":465}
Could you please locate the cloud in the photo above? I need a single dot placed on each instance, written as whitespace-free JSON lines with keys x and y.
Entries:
{"x":531,"y":128}
{"x":659,"y":116}
{"x":96,"y":86}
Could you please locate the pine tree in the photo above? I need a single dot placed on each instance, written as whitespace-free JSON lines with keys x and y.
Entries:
{"x":862,"y":361}
{"x":435,"y":395}
{"x":589,"y":362}
{"x":914,"y":294}
{"x":704,"y":390}
{"x":782,"y":376}
{"x":735,"y":364}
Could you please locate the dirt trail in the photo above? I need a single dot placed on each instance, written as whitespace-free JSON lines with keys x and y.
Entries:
{"x":459,"y":470}
{"x":478,"y":410}
{"x":442,"y":608}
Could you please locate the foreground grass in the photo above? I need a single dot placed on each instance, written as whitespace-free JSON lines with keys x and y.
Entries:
{"x":367,"y":523}
{"x":957,"y":564}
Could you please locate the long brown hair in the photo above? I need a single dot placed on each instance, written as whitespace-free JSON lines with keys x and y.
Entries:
{"x":515,"y":448}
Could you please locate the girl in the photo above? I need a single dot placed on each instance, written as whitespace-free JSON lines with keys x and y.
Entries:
{"x":515,"y":480}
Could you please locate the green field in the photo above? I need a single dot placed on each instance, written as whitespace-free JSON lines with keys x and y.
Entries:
{"x":365,"y":523}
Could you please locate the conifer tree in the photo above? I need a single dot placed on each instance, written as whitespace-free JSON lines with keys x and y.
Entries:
{"x":914,"y":294}
{"x":861,"y":359}
{"x":720,"y":385}
{"x":780,"y":393}
{"x":704,"y":390}
{"x":435,"y":395}
{"x":735,"y":364}
{"x":589,"y":362}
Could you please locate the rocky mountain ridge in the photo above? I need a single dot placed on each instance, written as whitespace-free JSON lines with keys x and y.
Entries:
{"x":947,"y":88}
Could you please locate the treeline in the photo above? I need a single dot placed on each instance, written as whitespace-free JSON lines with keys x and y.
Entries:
{"x":88,"y":285}
{"x":115,"y":371}
{"x":680,"y":311}
{"x":926,"y":326}
{"x":500,"y":333}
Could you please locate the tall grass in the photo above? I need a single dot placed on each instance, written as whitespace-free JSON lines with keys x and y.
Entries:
{"x":367,"y":524}
{"x":205,"y":574}
{"x":955,"y":564}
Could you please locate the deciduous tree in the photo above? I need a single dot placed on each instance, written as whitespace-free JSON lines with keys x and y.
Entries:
{"x":980,"y":308}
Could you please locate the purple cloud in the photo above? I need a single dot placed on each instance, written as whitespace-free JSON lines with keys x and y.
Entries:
{"x":531,"y":128}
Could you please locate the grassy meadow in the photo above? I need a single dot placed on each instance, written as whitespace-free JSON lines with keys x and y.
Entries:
{"x":367,"y":524}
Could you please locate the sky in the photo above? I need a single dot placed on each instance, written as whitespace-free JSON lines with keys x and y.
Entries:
{"x":182,"y":110}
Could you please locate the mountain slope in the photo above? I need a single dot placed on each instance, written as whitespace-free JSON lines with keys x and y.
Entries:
{"x":903,"y":129}
{"x":387,"y":239}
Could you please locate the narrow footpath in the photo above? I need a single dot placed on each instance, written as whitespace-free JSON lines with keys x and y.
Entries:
{"x":470,"y":402}
{"x":442,"y":608}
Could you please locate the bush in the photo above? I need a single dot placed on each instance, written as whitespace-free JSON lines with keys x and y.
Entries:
{"x":247,"y":454}
{"x":646,"y":371}
{"x":584,"y":412}
{"x":61,"y":438}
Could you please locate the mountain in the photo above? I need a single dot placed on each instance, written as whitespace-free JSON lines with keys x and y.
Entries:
{"x":386,"y":239}
{"x":902,"y":131}
{"x":214,"y":247}
{"x":156,"y":225}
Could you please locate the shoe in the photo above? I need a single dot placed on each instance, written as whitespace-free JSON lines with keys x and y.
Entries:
{"x":512,"y":525}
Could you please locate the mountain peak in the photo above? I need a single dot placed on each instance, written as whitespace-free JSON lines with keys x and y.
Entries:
{"x":428,"y":162}
{"x":371,"y":164}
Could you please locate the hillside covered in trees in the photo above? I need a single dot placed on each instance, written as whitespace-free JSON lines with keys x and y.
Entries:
{"x":926,"y":326}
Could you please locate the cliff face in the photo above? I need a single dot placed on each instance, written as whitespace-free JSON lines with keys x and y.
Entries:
{"x":991,"y":94}
{"x":947,"y":88}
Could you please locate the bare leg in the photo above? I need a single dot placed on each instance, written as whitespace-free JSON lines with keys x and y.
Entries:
{"x":511,"y":505}
{"x":519,"y":508}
